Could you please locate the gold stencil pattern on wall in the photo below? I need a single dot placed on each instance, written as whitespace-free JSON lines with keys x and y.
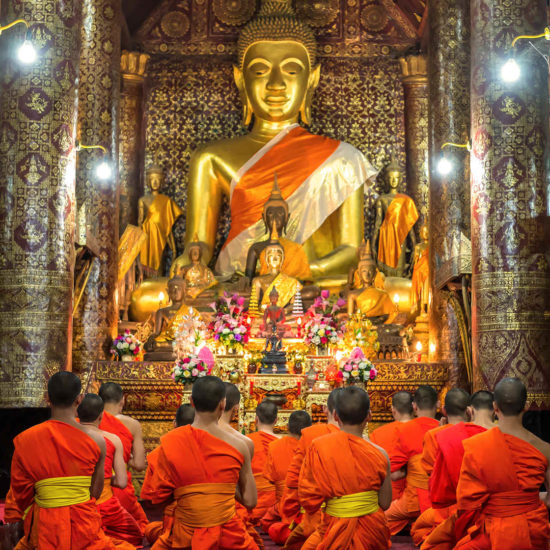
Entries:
{"x":318,"y":13}
{"x":234,"y":12}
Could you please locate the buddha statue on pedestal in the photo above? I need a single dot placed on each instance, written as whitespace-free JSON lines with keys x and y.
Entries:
{"x":373,"y":302}
{"x":157,"y":214}
{"x":196,"y":275}
{"x":321,"y":179}
{"x":275,"y":213}
{"x":285,"y":285}
{"x":420,"y":290}
{"x":396,"y":215}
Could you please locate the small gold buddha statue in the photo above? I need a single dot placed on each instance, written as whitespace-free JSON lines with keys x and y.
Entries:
{"x":393,"y":235}
{"x":276,"y":213}
{"x":320,"y":178}
{"x":157,"y":214}
{"x":196,"y":275}
{"x":159,"y":344}
{"x":420,"y":291}
{"x":285,"y":285}
{"x":373,"y":302}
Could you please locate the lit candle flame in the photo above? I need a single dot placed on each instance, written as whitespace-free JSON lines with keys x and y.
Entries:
{"x":396,"y":298}
{"x":432,"y":348}
{"x":418,"y":346}
{"x":299,"y":321}
{"x":161,"y":297}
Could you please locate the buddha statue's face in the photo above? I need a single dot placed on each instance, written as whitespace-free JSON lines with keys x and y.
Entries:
{"x":394,"y":179}
{"x":424,"y":233}
{"x":275,"y":79}
{"x":154,"y":180}
{"x":195,"y":253}
{"x":175,"y":291}
{"x":273,"y":297}
{"x":367,"y":273}
{"x":274,"y":256}
{"x":275,"y":215}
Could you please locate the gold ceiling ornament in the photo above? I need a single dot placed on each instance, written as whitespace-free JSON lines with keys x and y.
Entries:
{"x":234,"y":12}
{"x":175,"y":24}
{"x":277,"y":21}
{"x":318,"y":13}
{"x":374,"y":18}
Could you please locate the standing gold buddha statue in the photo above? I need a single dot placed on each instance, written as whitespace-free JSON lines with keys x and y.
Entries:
{"x":321,"y":179}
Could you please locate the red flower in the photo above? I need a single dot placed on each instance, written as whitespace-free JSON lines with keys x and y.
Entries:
{"x":187,"y":360}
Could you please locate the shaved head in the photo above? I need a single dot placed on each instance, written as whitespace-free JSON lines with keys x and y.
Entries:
{"x":511,"y":396}
{"x":297,"y":421}
{"x":482,"y":400}
{"x":232,"y":396}
{"x":184,"y":415}
{"x":111,"y":392}
{"x":456,"y":402}
{"x":425,"y":398}
{"x":332,"y":398}
{"x":63,"y":389}
{"x":402,"y":402}
{"x":353,"y":406}
{"x":90,"y":408}
{"x":266,"y":412}
{"x":207,"y":393}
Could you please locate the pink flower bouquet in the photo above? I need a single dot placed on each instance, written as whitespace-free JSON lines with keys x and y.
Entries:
{"x":357,"y":368}
{"x":189,"y":369}
{"x":126,"y":345}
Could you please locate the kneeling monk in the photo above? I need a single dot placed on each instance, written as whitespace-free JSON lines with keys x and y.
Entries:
{"x":352,"y":476}
{"x":56,"y":473}
{"x":499,"y":506}
{"x":203,"y":467}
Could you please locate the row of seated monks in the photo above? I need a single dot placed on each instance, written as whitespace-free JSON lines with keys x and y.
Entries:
{"x":463,"y":482}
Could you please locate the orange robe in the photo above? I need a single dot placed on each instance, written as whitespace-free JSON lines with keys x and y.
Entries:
{"x":50,"y":450}
{"x":266,"y":489}
{"x":126,"y":496}
{"x":342,"y":464}
{"x":117,"y":522}
{"x":386,"y":437}
{"x":290,"y":505}
{"x":279,"y":457}
{"x":201,"y":473}
{"x":148,"y":490}
{"x":12,"y":512}
{"x":408,"y":452}
{"x":498,"y":494}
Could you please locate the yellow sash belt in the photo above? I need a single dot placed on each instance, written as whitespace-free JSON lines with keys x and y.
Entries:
{"x":55,"y":492}
{"x":353,"y":506}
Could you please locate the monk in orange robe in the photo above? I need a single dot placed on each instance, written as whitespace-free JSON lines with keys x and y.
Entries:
{"x":386,"y":435}
{"x":117,"y":522}
{"x":279,"y":456}
{"x":230,"y":414}
{"x":408,"y":454}
{"x":129,"y":431}
{"x":456,"y":409}
{"x":204,"y":468}
{"x":266,"y":417}
{"x":12,"y":512}
{"x":56,"y":475}
{"x":502,"y":472}
{"x":184,"y":416}
{"x":446,"y":471}
{"x":304,"y":525}
{"x":352,"y":477}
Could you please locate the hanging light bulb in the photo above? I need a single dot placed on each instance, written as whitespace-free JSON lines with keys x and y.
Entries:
{"x":104,"y":171}
{"x":444,"y":166}
{"x":510,"y":71}
{"x":26,"y":52}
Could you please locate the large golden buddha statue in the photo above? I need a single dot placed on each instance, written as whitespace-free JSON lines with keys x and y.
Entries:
{"x":396,"y":215}
{"x":321,"y":179}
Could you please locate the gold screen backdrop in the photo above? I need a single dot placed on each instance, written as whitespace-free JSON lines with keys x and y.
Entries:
{"x":191,"y":101}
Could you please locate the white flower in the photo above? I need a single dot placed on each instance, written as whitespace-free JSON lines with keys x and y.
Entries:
{"x":132,"y":347}
{"x":225,"y":331}
{"x":119,"y":345}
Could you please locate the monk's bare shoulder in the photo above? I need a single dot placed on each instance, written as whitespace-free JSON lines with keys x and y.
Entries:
{"x":98,"y":438}
{"x":379,"y":448}
{"x":113,"y":438}
{"x":131,"y":423}
{"x":233,"y":440}
{"x":540,"y":445}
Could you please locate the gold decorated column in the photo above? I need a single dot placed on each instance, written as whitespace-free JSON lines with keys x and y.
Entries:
{"x":96,"y":318}
{"x":132,"y":66}
{"x":415,"y":84}
{"x":449,"y":121}
{"x":37,"y":177}
{"x":511,"y":276}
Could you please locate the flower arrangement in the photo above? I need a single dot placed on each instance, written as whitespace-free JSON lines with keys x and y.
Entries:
{"x":357,"y":368}
{"x":231,"y":326}
{"x":126,"y":347}
{"x":361,"y":333}
{"x":190,"y":335}
{"x":322,"y":328}
{"x":189,"y":369}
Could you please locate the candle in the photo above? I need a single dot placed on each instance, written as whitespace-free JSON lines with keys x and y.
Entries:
{"x":299,"y":388}
{"x":418,"y":347}
{"x":251,"y":387}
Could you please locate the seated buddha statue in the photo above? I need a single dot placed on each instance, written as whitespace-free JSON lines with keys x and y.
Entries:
{"x":196,"y":275}
{"x":159,"y":344}
{"x":285,"y":285}
{"x":275,"y":213}
{"x":321,"y":179}
{"x":373,"y":302}
{"x":157,"y":214}
{"x":396,"y":215}
{"x":421,"y":274}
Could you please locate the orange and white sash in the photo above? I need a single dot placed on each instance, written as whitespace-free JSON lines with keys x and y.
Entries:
{"x":316,"y":175}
